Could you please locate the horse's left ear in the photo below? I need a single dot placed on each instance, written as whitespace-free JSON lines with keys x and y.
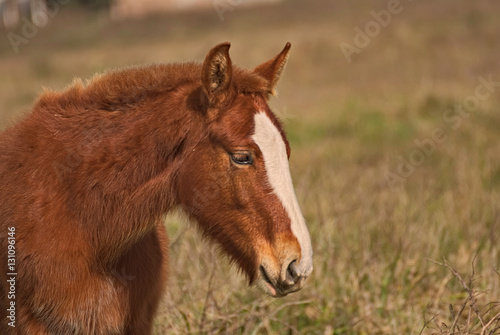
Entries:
{"x":272,"y":69}
{"x":217,"y":73}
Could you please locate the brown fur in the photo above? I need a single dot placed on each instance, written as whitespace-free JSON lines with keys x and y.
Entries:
{"x":86,"y":177}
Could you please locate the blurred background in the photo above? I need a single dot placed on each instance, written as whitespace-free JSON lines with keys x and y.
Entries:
{"x":392,"y":111}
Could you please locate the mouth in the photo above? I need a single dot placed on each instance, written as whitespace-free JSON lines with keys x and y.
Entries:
{"x":268,"y":286}
{"x":274,"y":290}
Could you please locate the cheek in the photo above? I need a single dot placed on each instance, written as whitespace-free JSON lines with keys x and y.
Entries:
{"x":249,"y":187}
{"x":202,"y":182}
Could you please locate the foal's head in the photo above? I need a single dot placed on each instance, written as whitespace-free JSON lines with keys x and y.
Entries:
{"x":236,"y":182}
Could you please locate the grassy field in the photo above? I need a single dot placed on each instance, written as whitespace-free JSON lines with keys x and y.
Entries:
{"x":395,"y":157}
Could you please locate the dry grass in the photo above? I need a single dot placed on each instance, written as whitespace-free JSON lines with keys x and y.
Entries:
{"x":375,"y":242}
{"x":470,"y":317}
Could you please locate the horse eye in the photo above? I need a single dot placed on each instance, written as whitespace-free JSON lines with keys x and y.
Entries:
{"x":242,"y":158}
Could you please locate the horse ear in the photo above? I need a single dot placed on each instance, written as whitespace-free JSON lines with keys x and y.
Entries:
{"x":216,"y":73}
{"x":272,"y":69}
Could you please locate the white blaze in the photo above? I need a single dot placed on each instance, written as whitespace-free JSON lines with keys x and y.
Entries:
{"x":273,"y":148}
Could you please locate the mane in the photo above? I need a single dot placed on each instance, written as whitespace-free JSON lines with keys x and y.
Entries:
{"x":121,"y":89}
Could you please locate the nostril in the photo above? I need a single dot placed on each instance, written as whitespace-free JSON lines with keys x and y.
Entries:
{"x":292,"y":275}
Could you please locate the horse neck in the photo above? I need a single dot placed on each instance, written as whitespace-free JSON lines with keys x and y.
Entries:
{"x":143,"y":152}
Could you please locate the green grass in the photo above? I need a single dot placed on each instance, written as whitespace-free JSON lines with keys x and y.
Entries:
{"x":348,"y":125}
